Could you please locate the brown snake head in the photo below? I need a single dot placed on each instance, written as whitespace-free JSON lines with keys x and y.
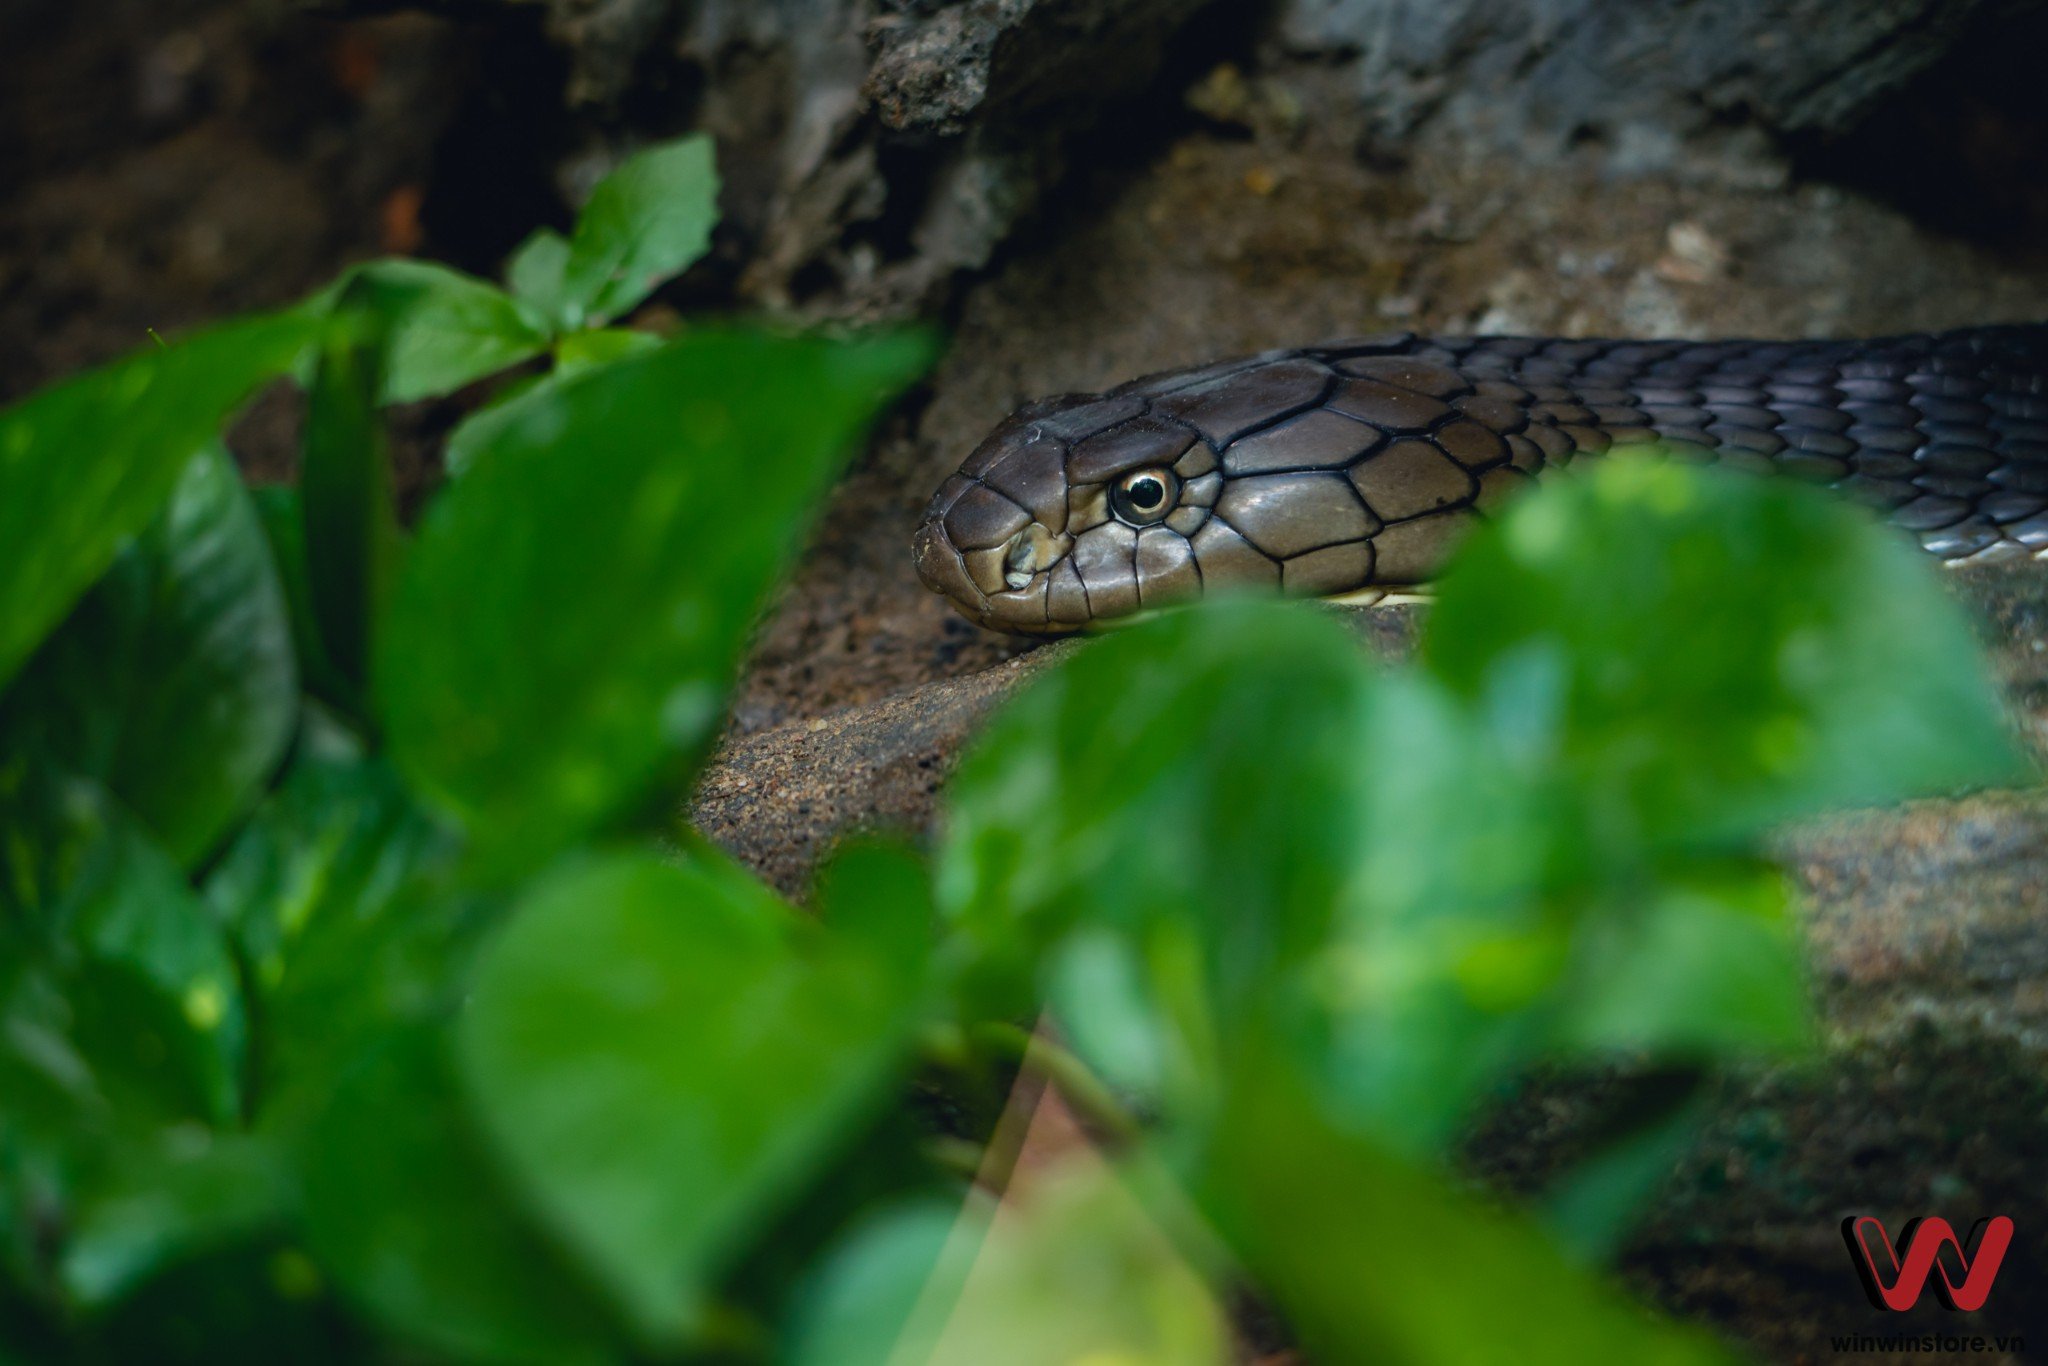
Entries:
{"x":1287,"y":470}
{"x":1349,"y":469}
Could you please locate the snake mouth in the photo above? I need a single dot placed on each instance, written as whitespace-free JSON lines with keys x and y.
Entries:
{"x":1003,"y":585}
{"x":994,"y":572}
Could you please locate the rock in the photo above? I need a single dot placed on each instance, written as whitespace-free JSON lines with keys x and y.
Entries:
{"x":874,"y":149}
{"x":780,"y":799}
{"x":1806,"y":66}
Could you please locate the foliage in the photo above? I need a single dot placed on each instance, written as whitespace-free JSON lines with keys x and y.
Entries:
{"x":352,"y":1006}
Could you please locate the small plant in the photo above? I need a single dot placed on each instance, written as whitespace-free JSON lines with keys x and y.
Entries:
{"x":360,"y":998}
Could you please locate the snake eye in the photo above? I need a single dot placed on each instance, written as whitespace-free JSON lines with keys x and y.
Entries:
{"x":1143,"y":497}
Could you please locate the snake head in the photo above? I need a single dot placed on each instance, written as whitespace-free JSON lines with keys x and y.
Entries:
{"x":1342,"y":470}
{"x":1077,"y":509}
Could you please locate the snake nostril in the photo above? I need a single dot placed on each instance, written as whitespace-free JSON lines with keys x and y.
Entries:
{"x":1030,"y":551}
{"x":1019,"y":561}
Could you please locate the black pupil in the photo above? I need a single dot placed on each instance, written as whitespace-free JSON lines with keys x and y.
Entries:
{"x":1147,"y":493}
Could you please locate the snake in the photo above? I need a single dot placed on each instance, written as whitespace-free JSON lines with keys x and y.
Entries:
{"x":1348,"y":470}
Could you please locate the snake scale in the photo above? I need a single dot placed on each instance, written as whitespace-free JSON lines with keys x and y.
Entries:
{"x":1348,"y":469}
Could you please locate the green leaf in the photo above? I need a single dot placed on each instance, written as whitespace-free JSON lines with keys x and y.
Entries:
{"x":152,"y":1002}
{"x":52,"y":1095}
{"x":350,"y":525}
{"x":1716,"y":652}
{"x":574,"y":354}
{"x":335,"y":895}
{"x":1450,"y":940}
{"x":536,"y":274}
{"x":507,"y":408}
{"x":1374,"y":1259}
{"x":85,"y":465}
{"x":645,"y":222}
{"x":864,"y":1301}
{"x":404,"y":1207}
{"x":663,"y":1055}
{"x":445,"y":329}
{"x":572,"y":611}
{"x":1710,"y":964}
{"x":1594,"y":1206}
{"x":874,"y":894}
{"x":277,"y":505}
{"x":173,"y":681}
{"x":168,"y":1202}
{"x":586,"y":350}
{"x":1193,"y":785}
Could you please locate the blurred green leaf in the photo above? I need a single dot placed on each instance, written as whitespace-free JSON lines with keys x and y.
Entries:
{"x":587,"y":350}
{"x":1192,"y":784}
{"x":503,"y":412}
{"x":537,"y":273}
{"x":571,"y":614}
{"x":151,"y":1000}
{"x":1454,"y":930}
{"x":1718,"y":652}
{"x":168,"y":1201}
{"x":85,"y":465}
{"x":172,"y":682}
{"x":876,"y":895}
{"x":349,"y":522}
{"x":277,"y":505}
{"x":442,"y":329}
{"x":861,"y":1307}
{"x":1374,"y":1259}
{"x":1592,"y":1208}
{"x":1102,"y":992}
{"x":1711,"y":963}
{"x":403,"y":1205}
{"x":662,"y":1055}
{"x":646,"y":221}
{"x":333,"y":893}
{"x":574,"y":354}
{"x":338,"y":837}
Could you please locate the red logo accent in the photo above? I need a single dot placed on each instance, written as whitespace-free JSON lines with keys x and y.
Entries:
{"x":1925,"y":1241}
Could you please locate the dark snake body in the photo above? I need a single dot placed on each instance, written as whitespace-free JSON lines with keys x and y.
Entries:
{"x":1351,"y":466}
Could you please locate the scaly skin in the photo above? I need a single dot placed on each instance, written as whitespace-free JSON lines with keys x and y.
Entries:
{"x":1348,"y":469}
